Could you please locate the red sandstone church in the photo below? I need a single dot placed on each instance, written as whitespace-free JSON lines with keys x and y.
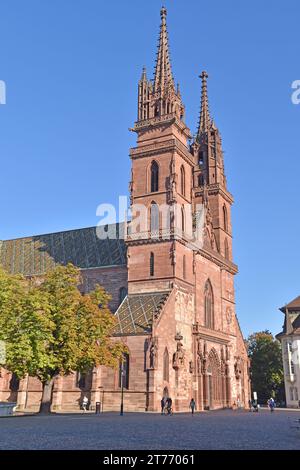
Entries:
{"x":173,"y":299}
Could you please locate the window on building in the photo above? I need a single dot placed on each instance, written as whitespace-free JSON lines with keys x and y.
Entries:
{"x":154,"y":176}
{"x":184,"y":267}
{"x":182,"y":220}
{"x":291,"y":394}
{"x":122,"y":294}
{"x":182,"y":180}
{"x":292,"y":368}
{"x":209,"y":305}
{"x":296,"y":394}
{"x":154,"y":217}
{"x":124,"y":371}
{"x":151,"y":264}
{"x":225,"y":218}
{"x":200,"y":180}
{"x":80,"y":380}
{"x":14,"y":383}
{"x":226,"y":249}
{"x":166,"y":366}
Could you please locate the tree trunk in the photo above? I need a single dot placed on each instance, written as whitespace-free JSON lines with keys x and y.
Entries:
{"x":45,"y":407}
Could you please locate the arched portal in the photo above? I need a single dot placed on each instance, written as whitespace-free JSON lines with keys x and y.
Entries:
{"x":214,"y":388}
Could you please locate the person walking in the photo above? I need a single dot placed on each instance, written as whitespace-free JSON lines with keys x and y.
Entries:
{"x":163,"y":404}
{"x":271,"y":404}
{"x":169,"y":406}
{"x":85,"y":402}
{"x":193,"y":405}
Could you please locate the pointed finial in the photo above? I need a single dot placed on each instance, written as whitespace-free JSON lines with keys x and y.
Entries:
{"x":144,"y":74}
{"x":163,"y":76}
{"x":163,"y":13}
{"x":204,"y":119}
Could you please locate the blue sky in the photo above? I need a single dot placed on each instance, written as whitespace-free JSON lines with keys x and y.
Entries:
{"x":71,"y":70}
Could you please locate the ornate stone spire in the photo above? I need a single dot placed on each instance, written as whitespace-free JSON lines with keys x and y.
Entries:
{"x":158,"y":97}
{"x":204,"y":119}
{"x":163,"y":77}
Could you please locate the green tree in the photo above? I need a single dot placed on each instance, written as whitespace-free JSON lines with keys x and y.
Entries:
{"x":266,"y":366}
{"x":50,"y":328}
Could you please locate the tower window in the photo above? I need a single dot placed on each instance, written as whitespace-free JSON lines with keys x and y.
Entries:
{"x":154,"y":217}
{"x":182,"y":180}
{"x":226,"y":249}
{"x":184,"y":267}
{"x":182,"y":220}
{"x":209,"y":305}
{"x":225,"y":218}
{"x":151,"y":264}
{"x":154,"y":177}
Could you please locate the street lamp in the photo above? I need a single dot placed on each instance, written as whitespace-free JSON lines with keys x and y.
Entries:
{"x":122,"y":388}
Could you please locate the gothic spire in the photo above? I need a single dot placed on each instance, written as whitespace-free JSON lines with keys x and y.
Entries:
{"x":163,"y":73}
{"x":204,"y":119}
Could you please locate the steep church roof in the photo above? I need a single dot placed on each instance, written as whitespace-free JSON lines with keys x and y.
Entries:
{"x":136,"y":312}
{"x":38,"y":254}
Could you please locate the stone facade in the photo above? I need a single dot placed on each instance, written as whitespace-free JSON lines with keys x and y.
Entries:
{"x":178,"y":319}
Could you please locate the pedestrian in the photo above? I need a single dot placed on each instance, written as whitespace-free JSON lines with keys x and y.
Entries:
{"x":250,"y":405}
{"x":169,"y":405}
{"x":85,"y":402}
{"x":193,"y":405}
{"x":271,"y":404}
{"x":163,"y":404}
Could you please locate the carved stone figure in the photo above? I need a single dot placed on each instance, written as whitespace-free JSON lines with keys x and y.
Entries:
{"x":153,"y":352}
{"x":179,"y":355}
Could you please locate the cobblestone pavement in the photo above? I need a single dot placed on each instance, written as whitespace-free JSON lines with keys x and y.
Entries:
{"x":224,"y":429}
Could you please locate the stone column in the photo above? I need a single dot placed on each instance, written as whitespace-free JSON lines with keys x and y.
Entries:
{"x":57,"y":393}
{"x":22,"y":393}
{"x":96,"y":389}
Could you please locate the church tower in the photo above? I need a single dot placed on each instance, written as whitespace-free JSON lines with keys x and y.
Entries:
{"x":195,"y":347}
{"x":161,"y":184}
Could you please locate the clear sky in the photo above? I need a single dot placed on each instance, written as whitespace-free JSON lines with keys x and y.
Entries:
{"x":71,"y":70}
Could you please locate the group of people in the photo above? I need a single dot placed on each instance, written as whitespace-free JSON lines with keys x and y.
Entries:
{"x":253,"y":405}
{"x":166,"y":405}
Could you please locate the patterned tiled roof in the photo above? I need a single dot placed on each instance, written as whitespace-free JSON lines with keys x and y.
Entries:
{"x":38,"y":254}
{"x":135,"y":314}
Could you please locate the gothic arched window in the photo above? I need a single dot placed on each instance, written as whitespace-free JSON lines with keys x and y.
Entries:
{"x":226,"y":249}
{"x":80,"y":380}
{"x":154,"y":177}
{"x":122,"y":294}
{"x":182,"y":180}
{"x":151,"y":264}
{"x":124,"y":371}
{"x":182,"y":220}
{"x":154,"y":217}
{"x":225,"y":218}
{"x":208,"y":305}
{"x":166,"y":366}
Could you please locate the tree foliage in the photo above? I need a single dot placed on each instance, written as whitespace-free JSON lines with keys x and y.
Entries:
{"x":266,"y":366}
{"x":50,"y":328}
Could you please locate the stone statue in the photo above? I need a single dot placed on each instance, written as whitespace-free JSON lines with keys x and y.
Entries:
{"x":153,"y":353}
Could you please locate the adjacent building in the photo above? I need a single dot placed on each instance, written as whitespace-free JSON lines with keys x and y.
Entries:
{"x":290,"y":341}
{"x":173,"y":298}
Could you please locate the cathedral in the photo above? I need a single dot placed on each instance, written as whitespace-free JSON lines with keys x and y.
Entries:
{"x":172,"y":296}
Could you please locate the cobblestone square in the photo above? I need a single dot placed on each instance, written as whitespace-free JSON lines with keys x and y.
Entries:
{"x":224,"y":429}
